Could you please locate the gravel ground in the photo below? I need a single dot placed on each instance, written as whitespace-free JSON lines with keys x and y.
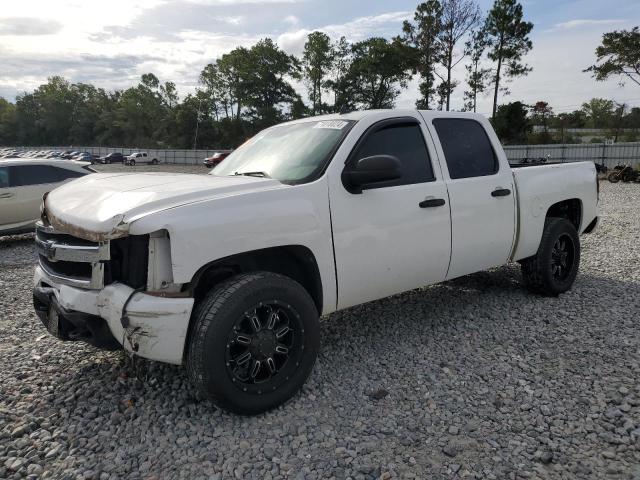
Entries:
{"x":474,"y":378}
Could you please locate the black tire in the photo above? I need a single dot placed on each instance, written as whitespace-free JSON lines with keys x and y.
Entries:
{"x":224,"y":332}
{"x":553,"y":269}
{"x":109,"y":162}
{"x":154,"y":161}
{"x":132,"y":163}
{"x":614,"y":177}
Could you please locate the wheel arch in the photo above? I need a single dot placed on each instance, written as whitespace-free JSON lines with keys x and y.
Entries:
{"x":294,"y":261}
{"x":570,"y":209}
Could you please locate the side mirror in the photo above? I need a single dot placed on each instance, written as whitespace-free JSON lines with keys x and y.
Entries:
{"x":370,"y":170}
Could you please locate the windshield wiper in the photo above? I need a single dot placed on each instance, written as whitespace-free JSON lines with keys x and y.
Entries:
{"x":253,"y":174}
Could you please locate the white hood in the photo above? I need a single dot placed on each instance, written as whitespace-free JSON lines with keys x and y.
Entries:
{"x":101,"y":205}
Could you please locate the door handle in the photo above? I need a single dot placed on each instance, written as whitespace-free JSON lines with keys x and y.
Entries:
{"x":434,"y":202}
{"x":501,"y":192}
{"x":6,"y":195}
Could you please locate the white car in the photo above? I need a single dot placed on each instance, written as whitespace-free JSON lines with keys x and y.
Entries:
{"x":228,"y":273}
{"x":140,"y":157}
{"x":23,"y":182}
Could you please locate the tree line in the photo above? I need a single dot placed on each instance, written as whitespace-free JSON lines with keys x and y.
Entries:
{"x":249,"y":89}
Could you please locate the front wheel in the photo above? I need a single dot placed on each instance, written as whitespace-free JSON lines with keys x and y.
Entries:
{"x":553,"y":269}
{"x":253,"y":342}
{"x":132,"y":163}
{"x":614,"y":177}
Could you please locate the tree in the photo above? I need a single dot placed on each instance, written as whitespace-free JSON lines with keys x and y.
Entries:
{"x":234,"y":69}
{"x":477,"y":76}
{"x":542,"y":112}
{"x":619,"y":54}
{"x":380,"y":69}
{"x":7,"y":122}
{"x":599,"y":112}
{"x":511,"y":123}
{"x":267,"y":82}
{"x":422,"y":36}
{"x":509,"y":42}
{"x":340,"y":83}
{"x":317,"y":61}
{"x":458,"y":18}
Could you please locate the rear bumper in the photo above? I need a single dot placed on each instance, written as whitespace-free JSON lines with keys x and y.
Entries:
{"x":154,"y":327}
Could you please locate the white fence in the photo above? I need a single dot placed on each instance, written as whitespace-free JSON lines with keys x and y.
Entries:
{"x":609,"y":155}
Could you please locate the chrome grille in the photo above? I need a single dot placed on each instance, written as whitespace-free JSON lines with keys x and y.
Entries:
{"x":70,"y":260}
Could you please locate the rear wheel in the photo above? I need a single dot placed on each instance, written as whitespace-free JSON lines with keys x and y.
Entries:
{"x":254,"y":341}
{"x":553,"y":269}
{"x":614,"y":177}
{"x":154,"y":161}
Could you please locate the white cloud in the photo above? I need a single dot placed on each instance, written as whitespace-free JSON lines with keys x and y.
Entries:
{"x":291,"y":20}
{"x":240,"y":2}
{"x":580,"y":23}
{"x":354,"y":30}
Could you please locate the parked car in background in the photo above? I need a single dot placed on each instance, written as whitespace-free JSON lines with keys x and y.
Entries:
{"x":23,"y":182}
{"x":216,"y":158}
{"x":114,"y":157}
{"x":140,"y":157}
{"x":68,"y":155}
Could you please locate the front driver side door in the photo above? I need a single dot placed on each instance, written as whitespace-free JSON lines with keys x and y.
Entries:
{"x":396,"y":236}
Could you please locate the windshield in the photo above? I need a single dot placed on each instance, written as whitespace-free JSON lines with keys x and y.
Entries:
{"x":293,"y":153}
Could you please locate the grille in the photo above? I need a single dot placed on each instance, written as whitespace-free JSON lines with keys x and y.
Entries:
{"x":71,"y":261}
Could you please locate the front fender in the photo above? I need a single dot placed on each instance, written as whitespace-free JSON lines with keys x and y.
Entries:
{"x":205,"y":231}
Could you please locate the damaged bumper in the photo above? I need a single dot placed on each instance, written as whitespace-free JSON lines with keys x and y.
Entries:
{"x":152,"y":327}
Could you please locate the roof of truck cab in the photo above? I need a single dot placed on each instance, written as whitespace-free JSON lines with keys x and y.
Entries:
{"x":361,"y":114}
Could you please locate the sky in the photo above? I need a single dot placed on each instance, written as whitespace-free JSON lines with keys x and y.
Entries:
{"x":110,"y":44}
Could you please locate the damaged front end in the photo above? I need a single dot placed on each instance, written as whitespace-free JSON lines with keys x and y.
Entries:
{"x":110,"y":290}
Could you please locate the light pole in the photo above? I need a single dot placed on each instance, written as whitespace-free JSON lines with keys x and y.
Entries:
{"x":195,"y":139}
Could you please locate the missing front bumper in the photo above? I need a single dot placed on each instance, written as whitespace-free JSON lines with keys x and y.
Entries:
{"x":156,"y":328}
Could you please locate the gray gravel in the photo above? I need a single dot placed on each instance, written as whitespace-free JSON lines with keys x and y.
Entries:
{"x":474,"y":378}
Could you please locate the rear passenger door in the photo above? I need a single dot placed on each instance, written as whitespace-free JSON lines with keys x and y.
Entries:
{"x":481,"y":196}
{"x":396,"y":236}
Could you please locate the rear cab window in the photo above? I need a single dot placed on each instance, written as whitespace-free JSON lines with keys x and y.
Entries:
{"x":467,"y":148}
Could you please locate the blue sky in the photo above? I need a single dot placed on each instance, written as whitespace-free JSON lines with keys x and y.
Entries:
{"x":112,"y":43}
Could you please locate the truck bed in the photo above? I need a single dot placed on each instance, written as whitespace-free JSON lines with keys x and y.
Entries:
{"x":539,"y":187}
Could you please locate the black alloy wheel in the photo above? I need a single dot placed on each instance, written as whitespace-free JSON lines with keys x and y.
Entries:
{"x":264,"y":343}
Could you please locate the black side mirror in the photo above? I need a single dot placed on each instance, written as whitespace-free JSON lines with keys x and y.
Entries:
{"x":370,"y":170}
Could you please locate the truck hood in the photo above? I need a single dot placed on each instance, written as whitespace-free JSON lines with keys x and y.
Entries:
{"x":102,"y":205}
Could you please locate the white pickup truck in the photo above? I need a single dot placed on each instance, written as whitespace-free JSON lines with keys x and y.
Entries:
{"x":229,"y":272}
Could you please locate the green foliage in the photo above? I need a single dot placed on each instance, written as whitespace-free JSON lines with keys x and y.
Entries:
{"x":508,"y":39}
{"x":378,"y":71}
{"x":422,"y":37}
{"x":511,"y":123}
{"x":599,"y":112}
{"x":619,"y":54}
{"x":477,"y":76}
{"x":317,"y":59}
{"x":458,"y":18}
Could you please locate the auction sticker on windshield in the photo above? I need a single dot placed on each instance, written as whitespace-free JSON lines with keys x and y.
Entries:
{"x":332,"y":124}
